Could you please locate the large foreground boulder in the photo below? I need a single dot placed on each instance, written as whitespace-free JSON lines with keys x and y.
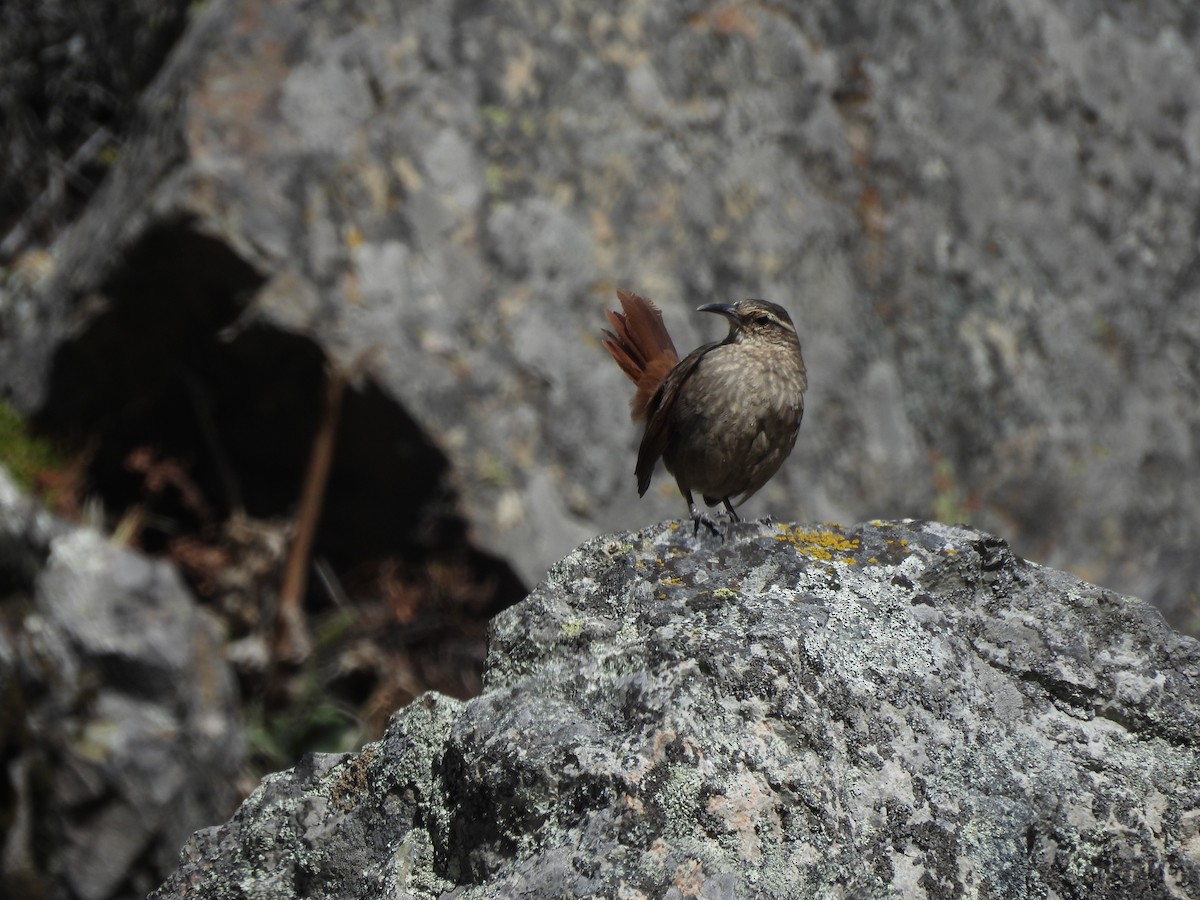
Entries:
{"x":981,"y":216}
{"x":897,"y":709}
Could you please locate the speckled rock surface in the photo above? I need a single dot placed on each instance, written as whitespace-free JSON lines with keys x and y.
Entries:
{"x":891,"y":710}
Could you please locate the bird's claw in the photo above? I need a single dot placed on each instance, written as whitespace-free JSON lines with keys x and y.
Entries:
{"x":699,"y":518}
{"x":731,"y":512}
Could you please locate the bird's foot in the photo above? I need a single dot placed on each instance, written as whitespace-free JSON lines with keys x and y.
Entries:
{"x":699,"y":518}
{"x":730,"y":511}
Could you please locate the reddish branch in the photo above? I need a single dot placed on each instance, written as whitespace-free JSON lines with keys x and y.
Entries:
{"x":292,"y":643}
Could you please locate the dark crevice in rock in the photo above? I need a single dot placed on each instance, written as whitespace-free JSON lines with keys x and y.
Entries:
{"x":20,"y":561}
{"x":157,"y":369}
{"x":163,"y":308}
{"x":192,"y":415}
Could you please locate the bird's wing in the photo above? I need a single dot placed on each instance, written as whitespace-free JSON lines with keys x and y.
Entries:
{"x":658,"y":411}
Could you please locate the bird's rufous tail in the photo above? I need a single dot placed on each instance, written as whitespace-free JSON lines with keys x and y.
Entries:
{"x":641,"y":347}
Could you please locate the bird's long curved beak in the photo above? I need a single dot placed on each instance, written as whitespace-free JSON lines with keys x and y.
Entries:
{"x":724,"y":309}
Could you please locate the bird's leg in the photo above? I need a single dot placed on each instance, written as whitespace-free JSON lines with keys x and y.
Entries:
{"x":699,"y":518}
{"x":733,"y":516}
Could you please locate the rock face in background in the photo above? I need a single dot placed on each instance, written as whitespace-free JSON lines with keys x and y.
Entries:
{"x":896,"y":709}
{"x":983,"y":219}
{"x":119,"y":725}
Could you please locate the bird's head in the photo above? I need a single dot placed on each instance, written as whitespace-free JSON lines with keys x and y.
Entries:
{"x":755,"y":320}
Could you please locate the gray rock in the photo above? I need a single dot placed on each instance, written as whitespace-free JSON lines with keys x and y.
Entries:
{"x":898,"y":709}
{"x":121,"y":729}
{"x":981,"y":216}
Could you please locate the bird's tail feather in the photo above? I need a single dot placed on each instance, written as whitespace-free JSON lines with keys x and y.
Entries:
{"x":641,"y":346}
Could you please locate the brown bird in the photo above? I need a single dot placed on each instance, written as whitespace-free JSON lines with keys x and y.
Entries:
{"x":726,"y":417}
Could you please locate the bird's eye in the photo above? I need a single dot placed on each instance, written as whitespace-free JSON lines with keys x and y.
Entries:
{"x":762,"y":319}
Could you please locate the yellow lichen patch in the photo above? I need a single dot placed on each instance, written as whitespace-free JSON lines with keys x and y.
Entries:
{"x":671,"y":580}
{"x":820,"y":544}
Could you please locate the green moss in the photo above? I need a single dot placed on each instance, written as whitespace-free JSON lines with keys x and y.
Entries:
{"x":335,"y":629}
{"x":496,"y":115}
{"x":493,"y":178}
{"x":949,"y":499}
{"x":109,"y":155}
{"x":493,"y":470}
{"x":22,"y":453}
